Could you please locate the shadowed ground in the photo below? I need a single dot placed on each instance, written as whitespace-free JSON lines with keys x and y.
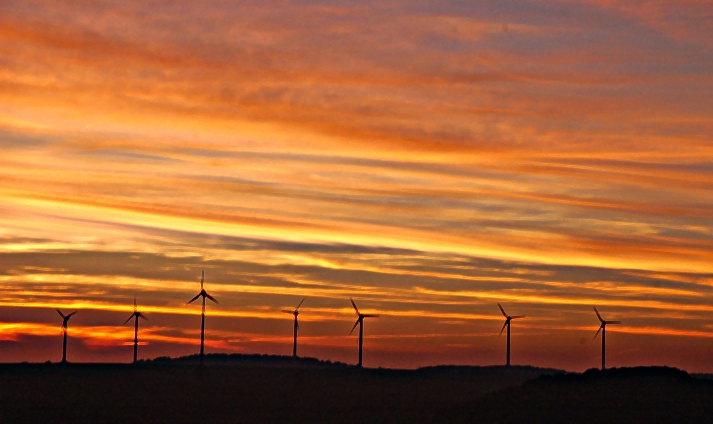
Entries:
{"x":245,"y":389}
{"x":626,"y":395}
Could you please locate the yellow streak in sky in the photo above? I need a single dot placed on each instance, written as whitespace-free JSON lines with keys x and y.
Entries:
{"x":628,"y":303}
{"x":357,"y":234}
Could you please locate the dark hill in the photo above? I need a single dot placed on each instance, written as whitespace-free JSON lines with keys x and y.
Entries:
{"x":626,"y":395}
{"x":242,"y":359}
{"x":241,"y":389}
{"x":275,"y":389}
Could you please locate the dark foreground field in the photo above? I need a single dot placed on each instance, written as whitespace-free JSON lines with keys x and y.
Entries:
{"x":274,"y":390}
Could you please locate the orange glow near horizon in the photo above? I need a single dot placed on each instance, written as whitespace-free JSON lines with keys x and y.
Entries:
{"x":428,"y":160}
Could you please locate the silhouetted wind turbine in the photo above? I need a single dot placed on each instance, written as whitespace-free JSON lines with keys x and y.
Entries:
{"x":203,"y":294}
{"x":136,"y":315}
{"x":360,"y":322}
{"x":603,"y":329}
{"x":297,"y":326}
{"x":65,"y":321}
{"x":508,"y":318}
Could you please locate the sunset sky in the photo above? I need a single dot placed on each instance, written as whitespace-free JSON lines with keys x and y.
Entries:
{"x":427,"y":158}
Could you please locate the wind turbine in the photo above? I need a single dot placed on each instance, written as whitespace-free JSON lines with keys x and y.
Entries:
{"x":360,"y":322}
{"x":603,"y":329}
{"x":65,"y":321}
{"x":508,"y":319}
{"x":203,"y":294}
{"x":297,"y":326}
{"x":136,"y":315}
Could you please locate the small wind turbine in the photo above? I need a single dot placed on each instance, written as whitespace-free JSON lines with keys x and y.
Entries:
{"x":360,"y":322}
{"x":65,"y":321}
{"x":603,"y":329}
{"x":296,"y":327}
{"x":508,"y":318}
{"x":203,"y":294}
{"x":136,"y":315}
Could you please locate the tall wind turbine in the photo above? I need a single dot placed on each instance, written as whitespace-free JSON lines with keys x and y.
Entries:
{"x":136,"y":315}
{"x":360,"y":322}
{"x":296,"y":327}
{"x":508,"y":319}
{"x":65,"y":321}
{"x":203,"y":294}
{"x":603,"y":329}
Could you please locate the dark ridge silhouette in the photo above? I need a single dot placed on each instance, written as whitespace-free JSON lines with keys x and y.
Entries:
{"x":244,"y":359}
{"x":626,"y":395}
{"x":236,"y":388}
{"x":594,"y":374}
{"x":256,"y":359}
{"x":494,"y":368}
{"x":267,"y":390}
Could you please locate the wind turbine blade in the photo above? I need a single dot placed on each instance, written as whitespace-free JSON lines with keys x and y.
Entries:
{"x":298,"y":306}
{"x":288,"y":311}
{"x":600,"y":329}
{"x":211,"y":298}
{"x":135,"y":306}
{"x":202,"y":276}
{"x":129,"y":319}
{"x":143,"y":316}
{"x":613,"y":322}
{"x":598,"y":316}
{"x":354,"y":305}
{"x":370,"y":316}
{"x":355,"y":324}
{"x":502,"y":310}
{"x":194,"y":299}
{"x":70,"y":315}
{"x":60,"y":313}
{"x":503,"y":329}
{"x":518,"y":316}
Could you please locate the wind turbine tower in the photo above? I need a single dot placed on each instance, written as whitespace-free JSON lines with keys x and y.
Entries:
{"x":360,"y":322}
{"x":204,"y":295}
{"x":603,"y":329}
{"x":65,"y":322}
{"x":508,"y":319}
{"x":136,"y":315}
{"x":296,"y":326}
